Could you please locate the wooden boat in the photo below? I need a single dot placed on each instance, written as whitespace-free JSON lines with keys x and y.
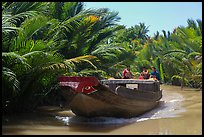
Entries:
{"x":110,"y":98}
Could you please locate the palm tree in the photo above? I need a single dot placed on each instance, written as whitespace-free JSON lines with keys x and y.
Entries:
{"x":180,"y":52}
{"x":143,"y":31}
{"x":33,"y":57}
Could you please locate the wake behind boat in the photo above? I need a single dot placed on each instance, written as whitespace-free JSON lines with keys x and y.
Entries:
{"x":110,"y":98}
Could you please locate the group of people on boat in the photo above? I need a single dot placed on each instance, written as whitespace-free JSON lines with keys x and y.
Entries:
{"x":127,"y":74}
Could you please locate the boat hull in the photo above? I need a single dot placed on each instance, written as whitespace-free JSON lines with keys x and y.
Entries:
{"x":122,"y":102}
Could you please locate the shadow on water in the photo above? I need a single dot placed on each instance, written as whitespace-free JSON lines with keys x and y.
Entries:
{"x":34,"y":118}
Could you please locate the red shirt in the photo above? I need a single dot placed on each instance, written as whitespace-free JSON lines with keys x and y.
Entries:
{"x":125,"y":72}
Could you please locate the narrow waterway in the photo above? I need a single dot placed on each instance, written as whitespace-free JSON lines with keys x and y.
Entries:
{"x":179,"y":113}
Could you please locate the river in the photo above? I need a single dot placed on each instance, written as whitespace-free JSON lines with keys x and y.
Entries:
{"x":179,"y":113}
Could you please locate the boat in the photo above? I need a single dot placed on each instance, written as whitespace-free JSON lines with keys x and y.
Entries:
{"x":121,"y":98}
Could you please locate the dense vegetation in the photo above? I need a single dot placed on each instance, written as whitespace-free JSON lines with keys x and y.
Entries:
{"x":43,"y":40}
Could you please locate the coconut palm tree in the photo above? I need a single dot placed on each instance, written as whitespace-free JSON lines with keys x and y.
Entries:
{"x":33,"y":57}
{"x":180,"y":51}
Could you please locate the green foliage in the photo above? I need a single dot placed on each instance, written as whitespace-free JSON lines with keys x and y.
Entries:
{"x":176,"y":80}
{"x":9,"y":82}
{"x":161,"y":72}
{"x":96,"y":73}
{"x":43,"y":40}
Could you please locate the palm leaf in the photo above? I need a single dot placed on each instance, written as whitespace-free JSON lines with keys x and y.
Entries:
{"x":80,"y":59}
{"x":11,"y":59}
{"x":10,"y":80}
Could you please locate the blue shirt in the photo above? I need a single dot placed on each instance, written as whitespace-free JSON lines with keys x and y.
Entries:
{"x":156,"y":73}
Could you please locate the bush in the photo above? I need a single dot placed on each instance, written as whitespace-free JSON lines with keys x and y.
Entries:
{"x":176,"y":80}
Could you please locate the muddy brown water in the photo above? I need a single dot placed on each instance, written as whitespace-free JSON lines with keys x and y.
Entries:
{"x":179,"y":113}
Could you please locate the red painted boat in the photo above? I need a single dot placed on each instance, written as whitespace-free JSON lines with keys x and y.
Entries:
{"x":110,"y":98}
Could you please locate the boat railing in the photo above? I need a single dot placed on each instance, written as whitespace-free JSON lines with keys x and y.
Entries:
{"x":142,"y":85}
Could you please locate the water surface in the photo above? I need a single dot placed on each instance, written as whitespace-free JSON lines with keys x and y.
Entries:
{"x":179,"y":112}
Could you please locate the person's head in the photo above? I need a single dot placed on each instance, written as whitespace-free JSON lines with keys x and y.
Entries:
{"x":153,"y":68}
{"x":144,"y":68}
{"x":128,"y":67}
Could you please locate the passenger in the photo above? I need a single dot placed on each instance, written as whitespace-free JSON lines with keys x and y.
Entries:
{"x":141,"y":77}
{"x":127,"y":73}
{"x":155,"y":74}
{"x":145,"y":73}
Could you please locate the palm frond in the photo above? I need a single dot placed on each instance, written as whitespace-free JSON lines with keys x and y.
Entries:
{"x":107,"y":48}
{"x":174,"y":52}
{"x":80,"y":59}
{"x":9,"y":21}
{"x":33,"y":25}
{"x":100,"y":74}
{"x":11,"y":59}
{"x":10,"y":81}
{"x":70,"y":9}
{"x":21,"y":7}
{"x":17,"y":12}
{"x":101,"y":35}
